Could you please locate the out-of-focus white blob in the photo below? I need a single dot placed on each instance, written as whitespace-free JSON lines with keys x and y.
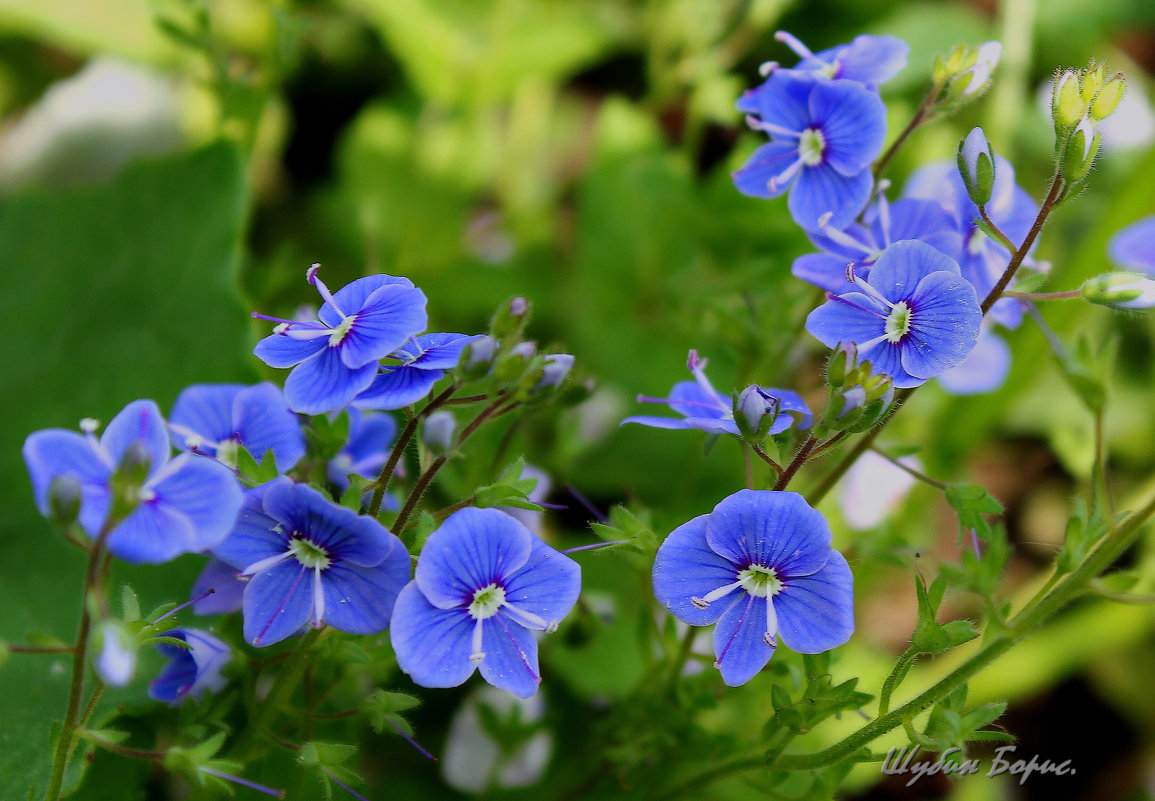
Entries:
{"x":87,"y":126}
{"x":872,"y":487}
{"x":474,"y":761}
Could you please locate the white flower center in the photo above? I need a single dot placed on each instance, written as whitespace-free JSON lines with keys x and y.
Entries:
{"x":341,"y":331}
{"x":486,"y":602}
{"x":811,"y":145}
{"x":308,"y":554}
{"x":759,"y":581}
{"x":898,"y":322}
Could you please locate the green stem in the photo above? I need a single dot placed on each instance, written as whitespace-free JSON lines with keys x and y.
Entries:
{"x":1002,"y":238}
{"x":278,"y":695}
{"x":921,"y":115}
{"x":382,"y":483}
{"x":796,"y":463}
{"x":923,"y":477}
{"x":1020,"y":254}
{"x":901,"y":668}
{"x":1070,"y":294}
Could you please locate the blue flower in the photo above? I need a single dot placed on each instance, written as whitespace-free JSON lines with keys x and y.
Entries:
{"x":868,"y":60}
{"x":862,"y":244}
{"x":422,"y":361}
{"x":915,"y":319}
{"x":193,"y":671}
{"x":311,"y":562}
{"x":707,"y":409}
{"x":483,"y":585}
{"x":982,"y":260}
{"x":824,"y":134}
{"x":216,"y":418}
{"x":227,"y":586}
{"x":761,"y":567}
{"x":1134,"y":246}
{"x":366,"y":450}
{"x":180,"y":506}
{"x":336,"y":357}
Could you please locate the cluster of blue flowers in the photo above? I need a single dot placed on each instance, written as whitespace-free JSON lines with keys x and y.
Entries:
{"x":284,"y":553}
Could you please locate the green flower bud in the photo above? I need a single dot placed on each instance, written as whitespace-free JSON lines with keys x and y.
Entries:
{"x":1108,"y":98}
{"x":976,"y":165}
{"x":511,"y":318}
{"x":1067,"y":104}
{"x":437,"y":434}
{"x":1120,"y":290}
{"x":843,"y":361}
{"x":1080,"y":153}
{"x":755,"y":412}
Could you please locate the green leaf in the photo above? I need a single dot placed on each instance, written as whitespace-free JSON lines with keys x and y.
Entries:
{"x":108,"y":278}
{"x":129,"y":604}
{"x":931,"y":637}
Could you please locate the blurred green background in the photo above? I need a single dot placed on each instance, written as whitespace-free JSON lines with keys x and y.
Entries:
{"x":166,"y":167}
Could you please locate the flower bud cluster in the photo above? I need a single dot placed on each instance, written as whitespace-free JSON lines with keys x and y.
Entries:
{"x":1080,"y":100}
{"x":966,"y":71}
{"x":857,"y":396}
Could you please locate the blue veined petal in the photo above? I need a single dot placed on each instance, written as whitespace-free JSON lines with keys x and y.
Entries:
{"x":857,"y":320}
{"x":935,"y":182}
{"x":510,"y":661}
{"x":153,"y":533}
{"x":441,"y":351}
{"x":206,"y":410}
{"x":432,"y":645}
{"x":913,"y":218}
{"x":264,"y":422}
{"x":228,"y":589}
{"x":139,"y":421}
{"x":871,"y":59}
{"x":547,"y":585}
{"x":344,"y":534}
{"x":692,"y":400}
{"x":390,"y":316}
{"x":278,"y":603}
{"x":984,"y":369}
{"x":472,"y":549}
{"x":369,"y":435}
{"x":396,"y":387}
{"x":886,"y":358}
{"x":1133,"y":247}
{"x":816,"y":612}
{"x":773,"y":529}
{"x":56,"y":452}
{"x":825,"y":271}
{"x":175,"y":679}
{"x":360,"y":600}
{"x":903,"y":265}
{"x":739,"y":644}
{"x":255,"y":535}
{"x":278,"y":350}
{"x":853,"y":124}
{"x":203,"y":491}
{"x":768,"y":161}
{"x":792,"y":410}
{"x":781,"y":100}
{"x":193,"y":671}
{"x":352,"y":297}
{"x":686,"y":567}
{"x":946,"y":242}
{"x":324,"y":384}
{"x":822,"y":190}
{"x":654,"y":421}
{"x":944,"y":325}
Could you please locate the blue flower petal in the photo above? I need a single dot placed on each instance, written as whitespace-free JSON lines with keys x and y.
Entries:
{"x":56,"y":452}
{"x":912,"y":218}
{"x":278,"y":603}
{"x":739,"y":644}
{"x":352,"y":297}
{"x":886,"y":358}
{"x":440,"y":351}
{"x":279,"y":350}
{"x":206,"y":410}
{"x":547,"y":585}
{"x":153,"y":533}
{"x":856,"y":320}
{"x":903,"y":265}
{"x":324,"y":384}
{"x":689,"y":398}
{"x":390,"y":316}
{"x":984,"y":369}
{"x":472,"y":549}
{"x":139,"y":421}
{"x":792,"y":409}
{"x":686,"y":567}
{"x":264,"y":422}
{"x":816,"y":612}
{"x":822,"y":189}
{"x":1133,"y":247}
{"x":344,"y":534}
{"x":510,"y":656}
{"x":768,"y":161}
{"x":853,"y":123}
{"x":824,"y":271}
{"x":397,"y":387}
{"x":228,"y":589}
{"x":432,"y":645}
{"x":202,"y":490}
{"x":255,"y":535}
{"x":193,"y":671}
{"x":654,"y":421}
{"x":774,"y":529}
{"x":944,"y":325}
{"x":782,"y":99}
{"x":872,"y":59}
{"x":360,"y":600}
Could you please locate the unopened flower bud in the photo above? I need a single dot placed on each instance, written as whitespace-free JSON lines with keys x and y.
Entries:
{"x":1108,"y":98}
{"x":976,"y":165}
{"x":977,"y":77}
{"x":755,"y":412}
{"x":477,"y":356}
{"x":1092,"y":79}
{"x":557,"y":367}
{"x":1120,"y":290}
{"x":852,"y":400}
{"x":843,"y":360}
{"x":1067,"y":104}
{"x":437,"y":435}
{"x":64,"y":500}
{"x":115,"y":658}
{"x":511,"y":318}
{"x":1082,"y":148}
